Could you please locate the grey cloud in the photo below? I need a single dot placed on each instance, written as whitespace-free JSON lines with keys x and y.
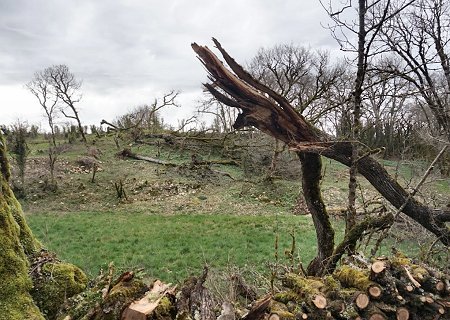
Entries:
{"x":121,"y":45}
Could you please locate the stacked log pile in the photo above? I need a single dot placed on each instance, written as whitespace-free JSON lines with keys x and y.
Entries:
{"x":384,"y":289}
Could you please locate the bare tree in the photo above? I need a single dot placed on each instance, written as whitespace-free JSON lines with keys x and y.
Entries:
{"x":420,"y":38}
{"x":67,"y":89}
{"x":363,"y":30}
{"x":303,"y":76}
{"x":388,"y":114}
{"x":146,"y":116}
{"x":43,"y":90}
{"x":223,"y":117}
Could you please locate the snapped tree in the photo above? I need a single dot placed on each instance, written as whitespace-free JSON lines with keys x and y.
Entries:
{"x":263,"y":108}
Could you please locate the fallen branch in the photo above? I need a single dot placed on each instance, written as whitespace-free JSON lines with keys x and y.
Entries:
{"x":127,"y":153}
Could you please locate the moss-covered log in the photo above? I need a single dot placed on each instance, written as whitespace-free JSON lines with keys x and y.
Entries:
{"x":53,"y":283}
{"x":105,"y":299}
{"x":359,"y":279}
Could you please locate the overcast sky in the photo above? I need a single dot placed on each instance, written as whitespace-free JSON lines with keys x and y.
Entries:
{"x":127,"y":52}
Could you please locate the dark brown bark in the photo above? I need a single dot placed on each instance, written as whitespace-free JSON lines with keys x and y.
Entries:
{"x":266,"y":110}
{"x":311,"y":176}
{"x":350,"y":219}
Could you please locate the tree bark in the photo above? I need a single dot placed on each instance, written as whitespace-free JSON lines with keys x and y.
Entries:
{"x":22,"y":289}
{"x":311,"y":176}
{"x":266,"y":110}
{"x":15,"y":300}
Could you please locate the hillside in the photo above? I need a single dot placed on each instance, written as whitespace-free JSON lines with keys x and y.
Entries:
{"x":173,"y":219}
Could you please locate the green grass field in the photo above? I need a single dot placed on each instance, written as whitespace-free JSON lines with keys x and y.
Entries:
{"x":172,"y":247}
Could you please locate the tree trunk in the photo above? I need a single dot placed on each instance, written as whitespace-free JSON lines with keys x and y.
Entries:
{"x":22,"y":289}
{"x":271,"y":113}
{"x":311,"y":176}
{"x":15,"y":300}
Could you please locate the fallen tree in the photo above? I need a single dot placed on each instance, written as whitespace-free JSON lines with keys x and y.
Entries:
{"x":263,"y":108}
{"x":196,"y":162}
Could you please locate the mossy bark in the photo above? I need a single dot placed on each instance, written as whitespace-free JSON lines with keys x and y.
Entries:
{"x":103,"y":300}
{"x":55,"y":282}
{"x":16,"y":240}
{"x":19,"y":247}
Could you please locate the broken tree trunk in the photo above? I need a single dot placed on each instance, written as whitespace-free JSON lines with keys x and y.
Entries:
{"x":266,"y":110}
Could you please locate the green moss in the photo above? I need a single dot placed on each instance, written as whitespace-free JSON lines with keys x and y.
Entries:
{"x":166,"y":309}
{"x":15,"y":300}
{"x":287,"y":296}
{"x":29,"y":243}
{"x":55,"y":283}
{"x":304,"y":286}
{"x":281,"y":310}
{"x":350,"y":277}
{"x":400,"y":260}
{"x":90,"y":304}
{"x":331,"y":284}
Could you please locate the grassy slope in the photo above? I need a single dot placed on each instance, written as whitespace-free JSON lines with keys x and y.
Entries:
{"x":173,"y":222}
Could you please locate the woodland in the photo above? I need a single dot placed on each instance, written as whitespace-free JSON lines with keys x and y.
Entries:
{"x":331,"y":175}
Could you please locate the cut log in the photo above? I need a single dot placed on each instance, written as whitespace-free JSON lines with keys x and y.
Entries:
{"x":274,"y":316}
{"x":440,"y":286}
{"x":143,"y":308}
{"x":402,"y":313}
{"x":258,"y":309}
{"x":377,"y":316}
{"x":362,"y":300}
{"x":378,"y":267}
{"x":374,"y":313}
{"x":320,"y":301}
{"x":374,"y":291}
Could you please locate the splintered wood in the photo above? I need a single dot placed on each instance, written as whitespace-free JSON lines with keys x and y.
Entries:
{"x":140,"y":310}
